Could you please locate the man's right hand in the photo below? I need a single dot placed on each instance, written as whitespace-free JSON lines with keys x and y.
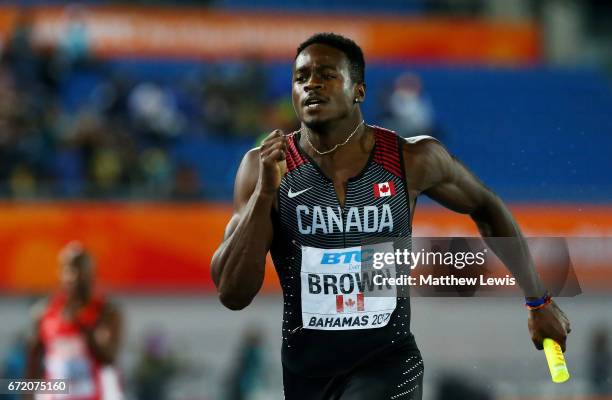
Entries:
{"x":272,"y":164}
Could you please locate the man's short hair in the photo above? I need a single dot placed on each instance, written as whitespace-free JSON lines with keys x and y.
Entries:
{"x":74,"y":254}
{"x":353,"y":52}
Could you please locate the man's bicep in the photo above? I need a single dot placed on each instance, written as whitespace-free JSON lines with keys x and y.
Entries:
{"x":456,"y":188}
{"x":34,"y":342}
{"x":244,"y":187}
{"x":115,"y":322}
{"x":36,"y":315}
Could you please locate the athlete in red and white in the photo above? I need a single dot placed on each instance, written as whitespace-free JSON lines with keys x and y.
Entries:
{"x":76,"y":334}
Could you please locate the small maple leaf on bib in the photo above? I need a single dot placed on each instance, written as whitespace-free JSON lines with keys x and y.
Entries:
{"x":350,"y":302}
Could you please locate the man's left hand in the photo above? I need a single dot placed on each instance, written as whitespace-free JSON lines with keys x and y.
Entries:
{"x":548,"y":322}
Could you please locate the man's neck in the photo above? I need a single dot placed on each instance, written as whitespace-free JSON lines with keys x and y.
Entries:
{"x":325,"y":137}
{"x":77,"y":300}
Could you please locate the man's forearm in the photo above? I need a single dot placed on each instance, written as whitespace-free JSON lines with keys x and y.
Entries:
{"x":239,"y":263}
{"x":494,"y":220}
{"x":105,"y":353}
{"x":104,"y":337}
{"x":33,"y":368}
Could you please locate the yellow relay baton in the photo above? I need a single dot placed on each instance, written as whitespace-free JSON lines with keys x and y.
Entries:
{"x":556,"y":361}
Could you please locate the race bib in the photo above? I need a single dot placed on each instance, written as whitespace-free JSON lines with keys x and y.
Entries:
{"x":339,"y":290}
{"x":67,"y":359}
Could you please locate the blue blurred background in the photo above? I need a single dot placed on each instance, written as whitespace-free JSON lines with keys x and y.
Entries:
{"x":78,"y":126}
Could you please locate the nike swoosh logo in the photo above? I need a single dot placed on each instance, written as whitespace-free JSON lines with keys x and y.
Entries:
{"x":291,"y":194}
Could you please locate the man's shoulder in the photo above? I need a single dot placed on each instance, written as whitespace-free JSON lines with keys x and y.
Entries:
{"x":250,"y":160}
{"x":411,"y":141}
{"x":39,"y":308}
{"x":252,"y":154}
{"x":420,"y":145}
{"x":110,"y":309}
{"x":424,"y":156}
{"x":420,"y":139}
{"x":246,"y":176}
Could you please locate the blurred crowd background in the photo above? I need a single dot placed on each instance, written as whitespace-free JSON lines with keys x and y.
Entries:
{"x":80,"y":123}
{"x":122,"y":125}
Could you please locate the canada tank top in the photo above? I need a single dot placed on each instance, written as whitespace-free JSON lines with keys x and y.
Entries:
{"x":330,"y":323}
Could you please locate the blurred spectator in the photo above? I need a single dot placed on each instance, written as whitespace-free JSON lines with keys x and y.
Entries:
{"x":600,"y":370}
{"x":186,"y":184}
{"x":20,"y":53}
{"x":156,"y":368}
{"x":74,"y":43}
{"x":111,"y":97}
{"x":153,"y":111}
{"x":157,"y":170}
{"x":22,"y":182}
{"x":233,"y":99}
{"x":246,"y":379}
{"x":15,"y":362}
{"x":251,"y":79}
{"x":452,"y":387}
{"x":279,"y":115}
{"x":411,"y":113}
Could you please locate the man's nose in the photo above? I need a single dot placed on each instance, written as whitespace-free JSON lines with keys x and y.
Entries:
{"x":313,"y":83}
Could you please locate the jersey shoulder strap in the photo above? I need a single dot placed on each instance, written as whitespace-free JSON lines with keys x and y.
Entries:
{"x":293,"y":156}
{"x":388,"y":151}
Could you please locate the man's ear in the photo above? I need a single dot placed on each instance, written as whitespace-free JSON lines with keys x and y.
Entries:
{"x":360,"y":91}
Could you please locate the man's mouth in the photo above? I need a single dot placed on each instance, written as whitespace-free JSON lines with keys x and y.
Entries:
{"x":314,"y":101}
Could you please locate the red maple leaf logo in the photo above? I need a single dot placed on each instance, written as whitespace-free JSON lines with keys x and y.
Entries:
{"x":350,"y":303}
{"x":384,"y":188}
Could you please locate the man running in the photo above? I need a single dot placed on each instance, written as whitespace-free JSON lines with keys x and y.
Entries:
{"x":77,"y":332}
{"x":331,"y":185}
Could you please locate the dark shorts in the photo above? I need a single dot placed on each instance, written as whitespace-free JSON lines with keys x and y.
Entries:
{"x":394,"y":376}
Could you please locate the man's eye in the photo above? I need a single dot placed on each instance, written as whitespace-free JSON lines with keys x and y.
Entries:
{"x":329,"y":76}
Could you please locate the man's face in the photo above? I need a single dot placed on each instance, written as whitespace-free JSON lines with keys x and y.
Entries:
{"x":75,"y":279}
{"x":322,"y":87}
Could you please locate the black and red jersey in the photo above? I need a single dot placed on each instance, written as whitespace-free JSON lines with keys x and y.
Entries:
{"x":330,"y":323}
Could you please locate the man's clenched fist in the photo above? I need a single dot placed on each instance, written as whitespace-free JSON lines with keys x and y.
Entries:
{"x":272,"y":164}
